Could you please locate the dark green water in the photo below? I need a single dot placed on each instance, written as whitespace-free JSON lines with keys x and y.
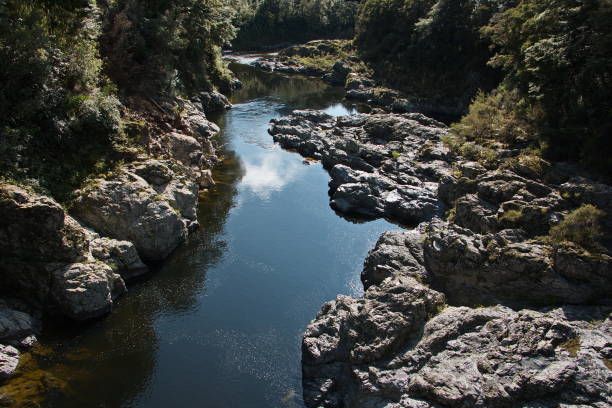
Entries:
{"x":220,"y":323}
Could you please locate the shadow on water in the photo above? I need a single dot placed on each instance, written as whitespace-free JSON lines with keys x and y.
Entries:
{"x":219,"y":324}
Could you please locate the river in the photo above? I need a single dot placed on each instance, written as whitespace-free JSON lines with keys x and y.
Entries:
{"x":219,"y":324}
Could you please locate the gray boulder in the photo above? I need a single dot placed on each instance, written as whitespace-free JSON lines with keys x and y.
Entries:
{"x":146,"y":203}
{"x":86,"y":290}
{"x":121,"y":256}
{"x":9,"y":359}
{"x":381,"y":165}
{"x":214,"y":102}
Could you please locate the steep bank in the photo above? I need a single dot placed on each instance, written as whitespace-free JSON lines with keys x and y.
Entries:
{"x":101,"y":164}
{"x":73,"y":264}
{"x":513,"y":291}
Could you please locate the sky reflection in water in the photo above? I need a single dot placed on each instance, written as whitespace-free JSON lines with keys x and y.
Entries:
{"x":220,"y":323}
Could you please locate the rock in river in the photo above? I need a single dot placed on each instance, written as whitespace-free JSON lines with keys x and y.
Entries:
{"x":146,"y":203}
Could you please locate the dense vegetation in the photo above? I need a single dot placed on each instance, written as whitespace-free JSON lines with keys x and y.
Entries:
{"x":272,"y":22}
{"x":545,"y":68}
{"x":557,"y":57}
{"x":68,"y":65}
{"x":429,"y":48}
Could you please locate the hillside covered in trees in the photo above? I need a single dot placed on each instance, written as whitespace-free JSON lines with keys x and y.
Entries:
{"x":543,"y":67}
{"x":72,"y":70}
{"x":270,"y":23}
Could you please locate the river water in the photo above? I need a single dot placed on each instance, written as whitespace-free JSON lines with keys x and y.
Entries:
{"x":219,"y":324}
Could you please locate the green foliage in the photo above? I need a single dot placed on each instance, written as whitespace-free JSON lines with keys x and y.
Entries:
{"x":167,"y":46}
{"x":273,"y":22}
{"x":557,"y":56}
{"x":428,"y":48}
{"x":581,"y":226}
{"x":495,"y":116}
{"x":65,"y":63}
{"x":55,"y":118}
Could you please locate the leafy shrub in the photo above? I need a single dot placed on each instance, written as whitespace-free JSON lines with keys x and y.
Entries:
{"x":581,"y":226}
{"x":494,"y":116}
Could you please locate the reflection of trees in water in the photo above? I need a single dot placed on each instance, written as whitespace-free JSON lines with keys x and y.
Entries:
{"x":296,"y":91}
{"x":110,"y":362}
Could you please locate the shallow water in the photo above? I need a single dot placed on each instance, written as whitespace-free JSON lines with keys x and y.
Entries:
{"x":220,"y":323}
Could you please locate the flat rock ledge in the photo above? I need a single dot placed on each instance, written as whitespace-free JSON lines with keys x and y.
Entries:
{"x":480,"y":310}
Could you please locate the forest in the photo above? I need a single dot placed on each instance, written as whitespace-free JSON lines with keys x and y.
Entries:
{"x":542,"y":69}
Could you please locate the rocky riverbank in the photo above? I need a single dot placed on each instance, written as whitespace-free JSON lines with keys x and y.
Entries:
{"x":336,"y":62}
{"x":477,"y":306}
{"x":73,"y":264}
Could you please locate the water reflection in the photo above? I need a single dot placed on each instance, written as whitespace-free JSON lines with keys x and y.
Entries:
{"x":269,"y":172}
{"x":220,"y":323}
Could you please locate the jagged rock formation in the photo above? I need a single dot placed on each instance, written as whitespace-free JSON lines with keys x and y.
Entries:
{"x":47,"y":261}
{"x":76,"y":267}
{"x":145,"y":203}
{"x":381,"y":165}
{"x":493,"y":357}
{"x":398,"y":346}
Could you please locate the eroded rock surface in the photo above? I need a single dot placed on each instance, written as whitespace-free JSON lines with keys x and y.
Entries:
{"x":146,"y":203}
{"x":38,"y":242}
{"x":529,"y":322}
{"x":381,"y":165}
{"x":463,"y":357}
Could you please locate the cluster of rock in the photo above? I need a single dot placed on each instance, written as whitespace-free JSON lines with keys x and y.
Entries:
{"x":75,"y":265}
{"x":359,"y":86}
{"x":528,"y":322}
{"x":381,"y":165}
{"x":287,"y":60}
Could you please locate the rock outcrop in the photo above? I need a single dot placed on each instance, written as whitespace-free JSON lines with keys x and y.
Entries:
{"x":47,"y":258}
{"x":463,"y":357}
{"x":528,"y":322}
{"x":381,"y":165}
{"x":146,"y":203}
{"x":51,"y":263}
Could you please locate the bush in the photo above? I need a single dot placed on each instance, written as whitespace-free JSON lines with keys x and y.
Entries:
{"x":581,"y":226}
{"x":494,"y":116}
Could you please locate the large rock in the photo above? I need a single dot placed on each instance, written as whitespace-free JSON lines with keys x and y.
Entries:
{"x":121,"y":256}
{"x":9,"y":359}
{"x":86,"y":290}
{"x":397,"y":253}
{"x":35,"y":228}
{"x":15,"y":326}
{"x":381,"y":165}
{"x":38,"y":242}
{"x":473,"y":269}
{"x":145,"y":203}
{"x":214,"y":102}
{"x":489,"y":357}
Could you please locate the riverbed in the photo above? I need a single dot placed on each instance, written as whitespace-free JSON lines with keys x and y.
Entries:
{"x":219,"y":324}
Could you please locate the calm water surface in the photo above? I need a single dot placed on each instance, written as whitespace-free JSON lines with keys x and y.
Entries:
{"x":220,"y":323}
